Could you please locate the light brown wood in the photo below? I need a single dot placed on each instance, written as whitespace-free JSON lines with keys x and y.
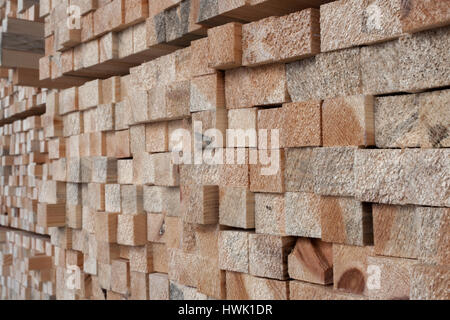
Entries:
{"x":350,"y":268}
{"x":94,"y":121}
{"x":242,"y":286}
{"x":51,"y":215}
{"x":268,"y":255}
{"x":200,"y":204}
{"x":106,"y":227}
{"x":132,"y":229}
{"x":311,"y":260}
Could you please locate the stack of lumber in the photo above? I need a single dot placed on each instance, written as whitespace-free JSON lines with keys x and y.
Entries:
{"x":83,"y":42}
{"x":339,"y":189}
{"x":26,"y":266}
{"x":19,"y":102}
{"x":21,"y":40}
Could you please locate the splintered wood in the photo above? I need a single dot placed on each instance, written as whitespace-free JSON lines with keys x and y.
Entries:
{"x":198,"y":149}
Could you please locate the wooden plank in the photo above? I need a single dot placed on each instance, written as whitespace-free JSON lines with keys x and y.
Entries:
{"x":22,"y":42}
{"x":267,"y":83}
{"x":139,"y":286}
{"x":23,"y":27}
{"x":102,"y":23}
{"x":298,"y":32}
{"x":350,"y":268}
{"x":244,"y":123}
{"x":156,"y":227}
{"x":225,"y":46}
{"x":160,"y":257}
{"x":236,"y":207}
{"x":132,"y":229}
{"x":135,"y":11}
{"x":301,"y":124}
{"x":327,"y":75}
{"x":159,"y":199}
{"x":268,"y":255}
{"x":418,"y":15}
{"x":182,"y":266}
{"x":199,"y":58}
{"x":242,"y":286}
{"x":379,"y":61}
{"x":38,"y":262}
{"x":200,"y":204}
{"x":268,"y":177}
{"x":125,"y":171}
{"x":415,"y":165}
{"x":212,"y":283}
{"x":345,"y":220}
{"x":301,"y":213}
{"x":143,"y":168}
{"x":181,"y":292}
{"x":106,"y":227}
{"x":207,"y":93}
{"x":391,"y":130}
{"x":270,"y":214}
{"x":394,"y":224}
{"x":157,"y":137}
{"x":141,"y":258}
{"x":271,"y":121}
{"x":159,"y":286}
{"x":19,"y":59}
{"x":429,"y":282}
{"x":131,"y":199}
{"x":90,"y":94}
{"x":51,"y":215}
{"x":395,"y":282}
{"x":299,"y":290}
{"x":234,"y":251}
{"x":120,"y":276}
{"x":356,"y":128}
{"x":311,"y":260}
{"x":23,"y":5}
{"x":365,"y":23}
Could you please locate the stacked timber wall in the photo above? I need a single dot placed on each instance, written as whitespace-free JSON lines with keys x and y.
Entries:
{"x":245,"y":149}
